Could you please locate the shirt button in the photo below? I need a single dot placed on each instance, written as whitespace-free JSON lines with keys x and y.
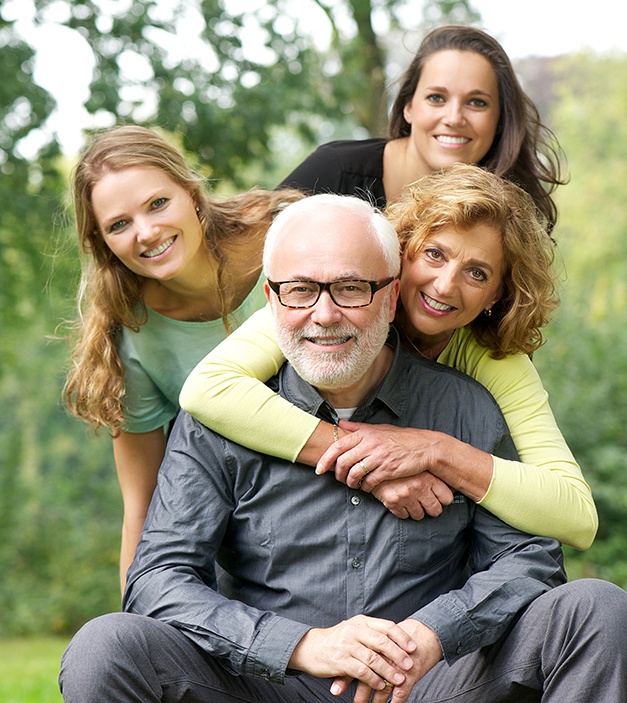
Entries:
{"x":355,"y":500}
{"x":355,"y":563}
{"x":265,"y":675}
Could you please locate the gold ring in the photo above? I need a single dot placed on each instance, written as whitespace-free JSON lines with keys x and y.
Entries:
{"x":364,"y":468}
{"x":387,"y":683}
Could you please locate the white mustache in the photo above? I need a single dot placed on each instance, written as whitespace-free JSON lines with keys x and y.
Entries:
{"x":313,"y":330}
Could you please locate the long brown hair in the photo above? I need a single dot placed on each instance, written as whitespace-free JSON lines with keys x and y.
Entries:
{"x":524,"y":151}
{"x":110,"y":295}
{"x":462,"y":196}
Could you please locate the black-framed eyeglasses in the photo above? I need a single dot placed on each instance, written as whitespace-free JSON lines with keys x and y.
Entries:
{"x":354,"y":293}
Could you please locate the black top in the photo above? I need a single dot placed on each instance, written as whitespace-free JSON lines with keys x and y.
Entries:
{"x":347,"y":167}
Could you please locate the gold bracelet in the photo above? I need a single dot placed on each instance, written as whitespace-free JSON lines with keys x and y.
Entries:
{"x":335,"y":435}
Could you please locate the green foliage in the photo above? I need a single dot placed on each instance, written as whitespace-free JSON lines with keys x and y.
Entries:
{"x":52,"y":483}
{"x":227,"y":100}
{"x":595,"y":140}
{"x":439,"y":12}
{"x":583,"y":365}
{"x":585,"y":371}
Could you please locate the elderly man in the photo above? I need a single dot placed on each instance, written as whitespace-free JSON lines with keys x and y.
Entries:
{"x":320,"y":590}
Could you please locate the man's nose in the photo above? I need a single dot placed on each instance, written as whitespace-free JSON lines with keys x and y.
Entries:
{"x":325,"y":312}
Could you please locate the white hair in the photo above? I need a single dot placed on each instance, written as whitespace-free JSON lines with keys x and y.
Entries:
{"x":375,"y":223}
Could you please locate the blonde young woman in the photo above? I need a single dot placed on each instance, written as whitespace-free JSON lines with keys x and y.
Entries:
{"x":167,"y":272}
{"x":477,"y":286}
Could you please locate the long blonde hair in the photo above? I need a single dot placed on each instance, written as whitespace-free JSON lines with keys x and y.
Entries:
{"x":110,"y":294}
{"x":463,"y":196}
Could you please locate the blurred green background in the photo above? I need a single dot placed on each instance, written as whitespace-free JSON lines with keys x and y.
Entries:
{"x":248,"y":118}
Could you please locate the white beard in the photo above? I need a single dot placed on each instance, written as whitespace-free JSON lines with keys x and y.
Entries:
{"x":339,"y":369}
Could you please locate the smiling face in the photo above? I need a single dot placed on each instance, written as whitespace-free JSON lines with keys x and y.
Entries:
{"x":148,"y":221}
{"x":454,"y":112}
{"x":332,"y":348}
{"x":453,"y":277}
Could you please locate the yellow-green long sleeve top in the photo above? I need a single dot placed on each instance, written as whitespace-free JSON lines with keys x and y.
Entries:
{"x":544,"y":493}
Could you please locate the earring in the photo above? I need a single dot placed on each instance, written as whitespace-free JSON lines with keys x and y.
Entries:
{"x":488,"y":312}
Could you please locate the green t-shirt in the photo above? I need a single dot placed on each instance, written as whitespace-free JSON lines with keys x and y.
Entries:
{"x":160,"y":355}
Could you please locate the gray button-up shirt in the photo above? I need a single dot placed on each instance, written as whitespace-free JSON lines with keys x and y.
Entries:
{"x":297,"y":550}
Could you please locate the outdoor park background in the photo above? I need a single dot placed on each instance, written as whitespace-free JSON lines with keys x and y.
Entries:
{"x":248,"y":117}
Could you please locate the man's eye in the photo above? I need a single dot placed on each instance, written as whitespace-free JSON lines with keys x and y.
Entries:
{"x":299,"y":288}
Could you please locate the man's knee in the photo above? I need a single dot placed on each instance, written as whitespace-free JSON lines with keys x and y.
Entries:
{"x":598,"y":605}
{"x":100,"y":645}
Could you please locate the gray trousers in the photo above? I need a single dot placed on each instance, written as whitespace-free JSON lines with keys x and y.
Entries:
{"x":568,"y":646}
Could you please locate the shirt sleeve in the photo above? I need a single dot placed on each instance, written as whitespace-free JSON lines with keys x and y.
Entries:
{"x":509,"y":570}
{"x":226,"y":392}
{"x":173,"y":575}
{"x":545,"y":492}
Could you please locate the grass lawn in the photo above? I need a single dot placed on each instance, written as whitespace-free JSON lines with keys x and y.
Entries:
{"x":29,"y":668}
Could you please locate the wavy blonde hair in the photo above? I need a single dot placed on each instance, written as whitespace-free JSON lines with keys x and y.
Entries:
{"x":462,"y":196}
{"x":110,"y":295}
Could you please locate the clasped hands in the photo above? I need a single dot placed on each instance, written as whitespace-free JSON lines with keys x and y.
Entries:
{"x":398,"y":461}
{"x":386,"y":659}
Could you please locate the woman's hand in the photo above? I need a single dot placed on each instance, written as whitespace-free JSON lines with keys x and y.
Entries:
{"x":393,"y":463}
{"x":371,"y":455}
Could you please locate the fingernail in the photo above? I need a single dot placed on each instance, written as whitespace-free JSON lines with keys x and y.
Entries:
{"x":407,"y":663}
{"x":335,"y":690}
{"x":399,"y":678}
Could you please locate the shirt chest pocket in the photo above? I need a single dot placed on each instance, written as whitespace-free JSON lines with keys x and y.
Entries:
{"x":435,"y":542}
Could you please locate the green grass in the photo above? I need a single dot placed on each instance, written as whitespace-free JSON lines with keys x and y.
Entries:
{"x":29,"y":668}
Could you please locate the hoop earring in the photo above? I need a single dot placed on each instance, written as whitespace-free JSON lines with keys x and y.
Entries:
{"x":488,"y":312}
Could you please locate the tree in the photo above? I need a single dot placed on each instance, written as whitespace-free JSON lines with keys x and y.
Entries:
{"x":27,"y":190}
{"x":227,"y":101}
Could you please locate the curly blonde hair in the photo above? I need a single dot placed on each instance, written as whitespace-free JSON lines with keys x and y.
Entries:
{"x":462,"y":196}
{"x":110,"y":295}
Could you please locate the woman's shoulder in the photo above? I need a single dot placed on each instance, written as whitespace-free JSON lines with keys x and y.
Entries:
{"x":466,"y":354}
{"x":353,"y":151}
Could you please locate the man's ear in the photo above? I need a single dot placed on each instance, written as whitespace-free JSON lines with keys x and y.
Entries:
{"x":267,"y":291}
{"x":395,"y":289}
